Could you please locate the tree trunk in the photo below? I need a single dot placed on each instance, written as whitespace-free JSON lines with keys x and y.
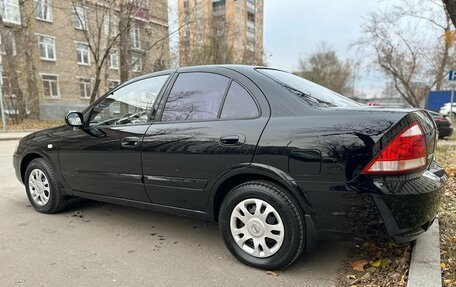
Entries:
{"x":123,"y":44}
{"x":96,"y":86}
{"x":29,"y":44}
{"x":451,"y":8}
{"x":441,"y":71}
{"x":20,"y":112}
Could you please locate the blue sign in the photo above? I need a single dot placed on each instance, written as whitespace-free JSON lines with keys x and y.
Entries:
{"x":452,"y":75}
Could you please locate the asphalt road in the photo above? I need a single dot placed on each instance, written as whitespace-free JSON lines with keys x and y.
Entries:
{"x":98,"y":244}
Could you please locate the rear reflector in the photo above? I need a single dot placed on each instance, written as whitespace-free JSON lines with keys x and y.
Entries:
{"x":405,"y":153}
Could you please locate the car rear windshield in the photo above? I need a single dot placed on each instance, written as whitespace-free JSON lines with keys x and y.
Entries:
{"x":310,"y":92}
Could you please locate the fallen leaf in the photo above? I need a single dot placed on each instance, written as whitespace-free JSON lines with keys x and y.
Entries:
{"x":443,"y":266}
{"x":358,"y":265}
{"x":385,"y":263}
{"x":371,"y":270}
{"x":376,"y":263}
{"x":272,"y":273}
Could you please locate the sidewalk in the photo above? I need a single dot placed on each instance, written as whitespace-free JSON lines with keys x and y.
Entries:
{"x":13,"y":135}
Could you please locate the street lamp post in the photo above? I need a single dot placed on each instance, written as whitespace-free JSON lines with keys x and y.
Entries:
{"x":1,"y":95}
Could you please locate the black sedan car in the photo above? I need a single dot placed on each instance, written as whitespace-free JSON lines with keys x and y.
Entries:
{"x":279,"y":162}
{"x":443,"y":124}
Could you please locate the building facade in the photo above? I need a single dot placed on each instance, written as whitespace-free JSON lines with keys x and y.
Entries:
{"x":63,"y":43}
{"x":230,"y":31}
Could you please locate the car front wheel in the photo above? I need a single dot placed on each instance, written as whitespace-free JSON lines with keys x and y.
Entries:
{"x":42,"y":186}
{"x":262,"y":225}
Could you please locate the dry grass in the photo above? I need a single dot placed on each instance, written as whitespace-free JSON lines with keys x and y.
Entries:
{"x":446,"y":156}
{"x":28,"y":125}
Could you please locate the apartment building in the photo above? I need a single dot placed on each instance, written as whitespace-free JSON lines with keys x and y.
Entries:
{"x":234,"y":27}
{"x":67,"y":41}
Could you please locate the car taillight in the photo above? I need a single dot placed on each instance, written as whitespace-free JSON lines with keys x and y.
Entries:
{"x":405,"y":153}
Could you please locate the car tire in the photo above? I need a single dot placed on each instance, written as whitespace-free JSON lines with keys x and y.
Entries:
{"x":43,"y":187}
{"x":271,"y":239}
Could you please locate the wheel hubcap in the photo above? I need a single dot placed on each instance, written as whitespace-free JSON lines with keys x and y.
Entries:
{"x":257,"y":227}
{"x":39,"y":187}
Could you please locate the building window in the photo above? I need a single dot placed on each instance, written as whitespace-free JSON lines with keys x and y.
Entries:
{"x":110,"y":25}
{"x":82,"y":54}
{"x":136,"y":63}
{"x":43,"y":10}
{"x":7,"y":88}
{"x":80,"y":18}
{"x":9,"y":11}
{"x":9,"y":41}
{"x":143,"y":4}
{"x":113,"y":60}
{"x":47,"y":48}
{"x":112,"y":84}
{"x":85,"y":87}
{"x":134,"y":37}
{"x":50,"y":86}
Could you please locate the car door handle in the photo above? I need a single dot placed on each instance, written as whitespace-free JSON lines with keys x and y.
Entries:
{"x":129,"y":142}
{"x":232,"y":140}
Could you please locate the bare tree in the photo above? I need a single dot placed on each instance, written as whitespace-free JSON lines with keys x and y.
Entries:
{"x":104,"y":32}
{"x":18,"y":45}
{"x":408,"y":45}
{"x":451,"y":8}
{"x":325,"y":68}
{"x":28,"y":46}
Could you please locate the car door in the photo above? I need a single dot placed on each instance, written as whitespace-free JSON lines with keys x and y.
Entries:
{"x":104,"y":157}
{"x":210,"y":122}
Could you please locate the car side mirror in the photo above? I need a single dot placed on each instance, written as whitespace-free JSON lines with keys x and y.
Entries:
{"x":74,"y":119}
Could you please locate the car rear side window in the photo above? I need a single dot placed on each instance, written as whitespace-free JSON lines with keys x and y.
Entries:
{"x":195,"y":96}
{"x":239,"y":104}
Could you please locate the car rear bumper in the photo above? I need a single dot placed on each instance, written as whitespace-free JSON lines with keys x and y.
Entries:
{"x":410,"y":203}
{"x":376,"y":208}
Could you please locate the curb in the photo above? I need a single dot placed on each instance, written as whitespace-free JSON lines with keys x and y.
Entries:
{"x":425,"y":263}
{"x":6,"y":136}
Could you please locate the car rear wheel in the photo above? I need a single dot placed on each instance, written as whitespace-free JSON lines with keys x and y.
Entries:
{"x":262,"y":225}
{"x":42,"y":186}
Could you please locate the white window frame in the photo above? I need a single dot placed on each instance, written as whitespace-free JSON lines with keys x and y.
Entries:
{"x":2,"y":50}
{"x":82,"y":51}
{"x":135,"y":37}
{"x":6,"y":7}
{"x":143,"y":4}
{"x":50,"y":88}
{"x":5,"y":80}
{"x":44,"y":5}
{"x":114,"y":54}
{"x":85,"y":82}
{"x":112,"y":81}
{"x":80,"y":19}
{"x":110,"y":25}
{"x":46,"y":58}
{"x":136,"y":65}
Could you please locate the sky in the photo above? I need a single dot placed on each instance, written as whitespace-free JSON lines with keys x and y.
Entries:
{"x":294,"y":28}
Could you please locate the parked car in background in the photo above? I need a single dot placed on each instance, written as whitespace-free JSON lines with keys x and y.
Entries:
{"x":279,"y":162}
{"x":446,"y":109}
{"x":443,"y":123}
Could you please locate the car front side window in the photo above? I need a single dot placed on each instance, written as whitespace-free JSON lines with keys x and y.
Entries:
{"x":131,"y":104}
